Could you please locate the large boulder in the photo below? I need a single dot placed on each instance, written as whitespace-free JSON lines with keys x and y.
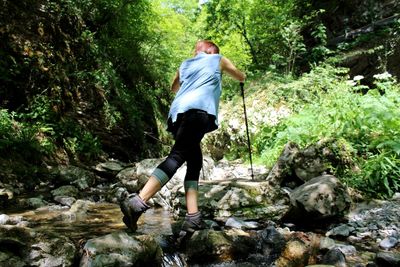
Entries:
{"x":72,"y":175}
{"x":321,"y":197}
{"x":52,"y":252}
{"x":251,"y":200}
{"x":219,"y":246}
{"x":121,"y":249}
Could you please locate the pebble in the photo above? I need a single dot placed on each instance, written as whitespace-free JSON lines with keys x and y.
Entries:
{"x":4,"y":218}
{"x":388,"y":243}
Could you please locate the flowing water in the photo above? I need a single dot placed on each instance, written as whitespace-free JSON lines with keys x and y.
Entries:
{"x":98,"y":220}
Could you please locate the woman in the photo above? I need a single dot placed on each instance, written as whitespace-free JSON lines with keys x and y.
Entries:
{"x":193,"y":113}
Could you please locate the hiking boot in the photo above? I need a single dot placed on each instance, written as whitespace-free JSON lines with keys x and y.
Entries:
{"x":132,"y":207}
{"x":193,"y":222}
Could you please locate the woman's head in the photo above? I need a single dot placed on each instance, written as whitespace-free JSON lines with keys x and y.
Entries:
{"x":206,"y":46}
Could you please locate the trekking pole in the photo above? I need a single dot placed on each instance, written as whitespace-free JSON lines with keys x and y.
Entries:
{"x":247,"y":130}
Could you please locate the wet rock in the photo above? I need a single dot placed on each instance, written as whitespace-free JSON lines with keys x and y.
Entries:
{"x":72,"y":175}
{"x":342,"y":230}
{"x":207,"y":246}
{"x":4,"y":219}
{"x":388,"y":243}
{"x":326,"y":243}
{"x":322,"y":197}
{"x":14,"y":245}
{"x":52,"y":252}
{"x":243,"y":199}
{"x":283,"y":167}
{"x":334,"y":257}
{"x":110,"y":168}
{"x":36,"y":202}
{"x":295,"y":254}
{"x":8,"y":259}
{"x":121,"y":249}
{"x":240,"y":224}
{"x":131,"y":180}
{"x":6,"y":194}
{"x":272,"y":243}
{"x":347,"y":250}
{"x":66,"y":201}
{"x":388,"y":259}
{"x":309,"y":164}
{"x":65,"y":191}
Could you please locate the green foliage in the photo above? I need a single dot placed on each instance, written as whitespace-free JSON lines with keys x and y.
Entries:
{"x":31,"y":141}
{"x":334,"y":109}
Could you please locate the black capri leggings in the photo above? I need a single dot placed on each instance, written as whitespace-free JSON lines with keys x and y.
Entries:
{"x":188,"y":131}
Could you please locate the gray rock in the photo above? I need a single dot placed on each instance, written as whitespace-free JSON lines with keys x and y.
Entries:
{"x":8,"y":259}
{"x":36,"y":202}
{"x":347,"y":250}
{"x":321,"y":197}
{"x":65,"y":191}
{"x":52,"y":252}
{"x":66,"y":201}
{"x":388,"y":259}
{"x":326,"y":243}
{"x":208,"y":245}
{"x":272,"y":242}
{"x":121,"y":249}
{"x":388,"y":243}
{"x":72,"y":175}
{"x":334,"y":257}
{"x":240,"y":224}
{"x":131,"y":180}
{"x":342,"y":230}
{"x":4,"y":219}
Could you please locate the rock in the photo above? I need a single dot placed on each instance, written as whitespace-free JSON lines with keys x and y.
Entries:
{"x":326,"y":243}
{"x":111,"y":167}
{"x":72,"y":175}
{"x":243,"y":199}
{"x":295,"y":254}
{"x":388,"y":259}
{"x":322,"y":197}
{"x":240,"y":224}
{"x":208,"y":246}
{"x":6,"y":194}
{"x":396,"y":196}
{"x":7,"y":259}
{"x":4,"y":219}
{"x":52,"y":252}
{"x":283,"y":167}
{"x":36,"y":202}
{"x":320,"y":265}
{"x":14,"y":245}
{"x":309,"y":164}
{"x":121,"y":249}
{"x":388,"y":243}
{"x":66,"y":201}
{"x":65,"y":191}
{"x":342,"y":230}
{"x":272,"y":243}
{"x":334,"y":257}
{"x":131,"y":180}
{"x":347,"y":250}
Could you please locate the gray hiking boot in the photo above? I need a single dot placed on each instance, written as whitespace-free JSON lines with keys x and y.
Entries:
{"x":192,"y":223}
{"x":132,"y":207}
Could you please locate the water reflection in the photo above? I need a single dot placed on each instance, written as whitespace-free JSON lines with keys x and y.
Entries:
{"x":99,"y":219}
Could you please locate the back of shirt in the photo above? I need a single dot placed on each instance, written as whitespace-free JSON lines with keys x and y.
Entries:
{"x":200,"y":85}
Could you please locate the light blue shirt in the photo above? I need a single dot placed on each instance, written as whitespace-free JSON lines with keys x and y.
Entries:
{"x":200,"y":85}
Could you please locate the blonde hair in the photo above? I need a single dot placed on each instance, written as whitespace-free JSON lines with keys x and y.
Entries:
{"x":206,"y":46}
